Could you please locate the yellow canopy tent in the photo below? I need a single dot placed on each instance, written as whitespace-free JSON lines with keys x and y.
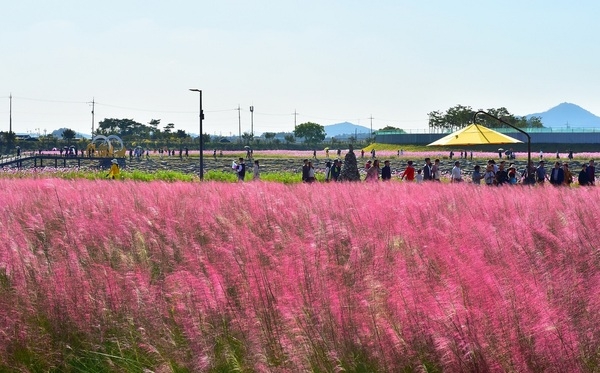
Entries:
{"x":474,"y":134}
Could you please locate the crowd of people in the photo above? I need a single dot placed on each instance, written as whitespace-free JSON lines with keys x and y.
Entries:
{"x":494,"y":174}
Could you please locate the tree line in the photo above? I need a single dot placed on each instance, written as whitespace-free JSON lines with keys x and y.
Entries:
{"x":461,"y":116}
{"x":152,"y":135}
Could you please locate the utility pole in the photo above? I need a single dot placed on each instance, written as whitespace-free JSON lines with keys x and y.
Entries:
{"x":239,"y":124}
{"x":10,"y":113}
{"x":295,"y":115}
{"x":371,"y":117}
{"x":200,"y":138}
{"x":93,"y":103}
{"x":252,"y":121}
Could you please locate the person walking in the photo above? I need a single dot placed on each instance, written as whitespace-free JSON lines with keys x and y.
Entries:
{"x":557,"y":175}
{"x":305,"y":170}
{"x":114,"y":171}
{"x":568,"y":174}
{"x":409,"y":172}
{"x":427,"y":170}
{"x":336,"y":170}
{"x":256,"y":171}
{"x":373,"y":172}
{"x":386,"y":171}
{"x":241,"y":170}
{"x":436,"y":171}
{"x":583,"y":176}
{"x":501,"y":175}
{"x":327,"y":171}
{"x":512,"y":175}
{"x":591,"y":172}
{"x":477,"y":175}
{"x":419,"y":176}
{"x":456,"y":176}
{"x":540,"y":173}
{"x":311,"y":172}
{"x":489,"y":175}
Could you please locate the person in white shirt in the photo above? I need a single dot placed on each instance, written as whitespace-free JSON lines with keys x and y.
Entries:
{"x":419,"y":176}
{"x":456,"y":176}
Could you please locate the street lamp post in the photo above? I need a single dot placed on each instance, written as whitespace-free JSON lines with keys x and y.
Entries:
{"x":201,"y":116}
{"x":252,"y":121}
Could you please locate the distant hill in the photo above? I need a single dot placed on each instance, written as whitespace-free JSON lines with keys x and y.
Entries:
{"x":567,"y":114}
{"x":58,"y":134}
{"x":347,"y":129}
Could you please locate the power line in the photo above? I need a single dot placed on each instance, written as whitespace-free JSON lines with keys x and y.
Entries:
{"x":45,"y":100}
{"x":162,"y":111}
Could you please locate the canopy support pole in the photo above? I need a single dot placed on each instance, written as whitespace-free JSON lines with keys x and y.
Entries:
{"x":510,"y":125}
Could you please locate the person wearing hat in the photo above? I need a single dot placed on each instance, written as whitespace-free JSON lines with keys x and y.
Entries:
{"x":501,"y":175}
{"x":114,"y":169}
{"x":512,"y":175}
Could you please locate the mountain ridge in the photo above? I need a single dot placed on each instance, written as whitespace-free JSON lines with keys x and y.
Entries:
{"x":567,"y":114}
{"x":347,"y":129}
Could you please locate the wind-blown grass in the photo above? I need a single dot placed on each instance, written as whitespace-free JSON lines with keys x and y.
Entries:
{"x":381,"y":277}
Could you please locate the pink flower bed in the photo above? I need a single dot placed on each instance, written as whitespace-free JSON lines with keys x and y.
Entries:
{"x":303,"y":277}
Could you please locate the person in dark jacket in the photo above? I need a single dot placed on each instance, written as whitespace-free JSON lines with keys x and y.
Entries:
{"x":305,"y":170}
{"x":591,"y":173}
{"x":386,"y":171}
{"x":501,"y":175}
{"x":241,"y":170}
{"x":583,"y":176}
{"x":427,"y":174}
{"x":557,"y":175}
{"x":336,"y":169}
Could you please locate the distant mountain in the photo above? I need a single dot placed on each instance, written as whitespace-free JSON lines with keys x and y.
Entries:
{"x":567,"y":114}
{"x":347,"y":129}
{"x":58,"y":134}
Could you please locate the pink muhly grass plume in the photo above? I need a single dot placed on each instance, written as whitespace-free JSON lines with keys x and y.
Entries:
{"x":275,"y":277}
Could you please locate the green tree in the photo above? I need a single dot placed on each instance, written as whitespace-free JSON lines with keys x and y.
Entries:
{"x":181,"y":135}
{"x":247,"y":137}
{"x":458,"y":117}
{"x":169,"y":128}
{"x":392,"y":128}
{"x":68,"y":134}
{"x":9,"y":138}
{"x":154,"y":123}
{"x":289,"y":139}
{"x":461,"y":116}
{"x":269,"y":136}
{"x":436,"y":120}
{"x":533,"y":122}
{"x":312,"y":133}
{"x":121,"y":127}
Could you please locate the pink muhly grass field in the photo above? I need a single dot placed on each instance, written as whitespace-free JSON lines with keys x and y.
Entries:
{"x":282,"y":278}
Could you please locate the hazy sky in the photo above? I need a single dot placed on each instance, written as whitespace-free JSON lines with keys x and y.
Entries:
{"x":331,"y":61}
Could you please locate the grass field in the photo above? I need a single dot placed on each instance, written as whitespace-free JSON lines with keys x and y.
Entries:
{"x":104,"y":276}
